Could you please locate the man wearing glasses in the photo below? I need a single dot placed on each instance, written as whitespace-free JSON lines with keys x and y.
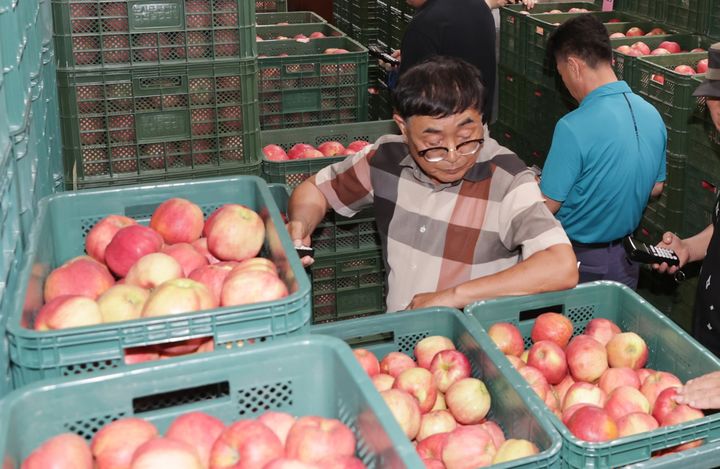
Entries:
{"x":461,"y":218}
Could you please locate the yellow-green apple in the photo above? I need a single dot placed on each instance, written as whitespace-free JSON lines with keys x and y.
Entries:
{"x":592,"y":424}
{"x":437,"y":421}
{"x":178,"y":296}
{"x":468,"y":400}
{"x":165,"y":452}
{"x":251,"y":286}
{"x":440,"y":403}
{"x":286,"y":463}
{"x":680,"y":414}
{"x":616,"y":377}
{"x":383,"y":382}
{"x":197,"y":429}
{"x":395,"y":363}
{"x":114,"y":445}
{"x":637,"y":422}
{"x":405,"y":409}
{"x":313,"y":438}
{"x":468,"y":447}
{"x":68,"y":311}
{"x":426,"y":349}
{"x":562,"y":387}
{"x":213,"y":277}
{"x":130,"y":244}
{"x":275,"y":153}
{"x":514,"y":449}
{"x":584,"y":393}
{"x":178,"y":221}
{"x":368,"y":361}
{"x":507,"y":337}
{"x":187,"y":256}
{"x":201,"y":246}
{"x":536,"y":380}
{"x":246,"y":444}
{"x":552,"y":326}
{"x":496,"y":433}
{"x":257,"y":263}
{"x":587,"y":358}
{"x":236,"y":233}
{"x":626,"y":400}
{"x":627,"y":349}
{"x":449,"y":366}
{"x":656,"y":383}
{"x":432,"y":446}
{"x":643,"y":373}
{"x":102,"y":233}
{"x":64,"y":451}
{"x":331,"y":148}
{"x":122,"y":303}
{"x":81,"y":275}
{"x":549,"y":358}
{"x":152,"y":270}
{"x":516,"y":362}
{"x":601,"y":329}
{"x":279,"y":422}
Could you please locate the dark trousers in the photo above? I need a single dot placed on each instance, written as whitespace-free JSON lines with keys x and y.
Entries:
{"x":606,"y":263}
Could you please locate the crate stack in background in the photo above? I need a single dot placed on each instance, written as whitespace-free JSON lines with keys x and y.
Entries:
{"x":152,"y":92}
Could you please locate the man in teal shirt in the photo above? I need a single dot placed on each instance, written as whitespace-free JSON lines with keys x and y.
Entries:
{"x":607,"y":157}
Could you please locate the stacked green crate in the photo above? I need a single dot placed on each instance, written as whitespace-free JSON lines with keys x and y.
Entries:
{"x":262,"y":6}
{"x":713,"y":30}
{"x":690,"y":15}
{"x":647,"y":8}
{"x":360,"y":17}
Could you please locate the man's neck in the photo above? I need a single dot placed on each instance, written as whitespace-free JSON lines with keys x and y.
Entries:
{"x":595,"y":78}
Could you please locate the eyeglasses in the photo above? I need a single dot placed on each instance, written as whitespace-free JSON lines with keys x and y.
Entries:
{"x":438,"y":154}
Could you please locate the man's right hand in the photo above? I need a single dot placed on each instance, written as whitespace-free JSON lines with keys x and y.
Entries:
{"x":674,"y":242}
{"x":300,"y":237}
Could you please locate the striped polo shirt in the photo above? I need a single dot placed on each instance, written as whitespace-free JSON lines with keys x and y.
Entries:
{"x":437,"y":236}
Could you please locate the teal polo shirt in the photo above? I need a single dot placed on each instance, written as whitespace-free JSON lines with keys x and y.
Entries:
{"x":604,"y":160}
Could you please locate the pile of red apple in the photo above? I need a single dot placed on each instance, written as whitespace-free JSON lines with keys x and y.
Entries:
{"x":441,"y":407}
{"x":596,"y":383}
{"x":196,"y":440}
{"x":298,"y":37}
{"x":635,"y":32}
{"x":301,"y":151}
{"x":179,"y":263}
{"x":571,"y":10}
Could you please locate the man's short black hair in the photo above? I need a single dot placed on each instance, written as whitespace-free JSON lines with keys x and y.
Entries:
{"x":439,"y":87}
{"x":584,"y":37}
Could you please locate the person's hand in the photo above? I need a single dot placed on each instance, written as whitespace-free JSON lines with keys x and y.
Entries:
{"x":702,"y":392}
{"x":388,"y":67}
{"x":672,"y":241}
{"x":300,"y":237}
{"x":426,"y":300}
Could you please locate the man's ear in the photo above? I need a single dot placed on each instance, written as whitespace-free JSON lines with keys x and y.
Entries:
{"x":401,"y":124}
{"x":575,"y":65}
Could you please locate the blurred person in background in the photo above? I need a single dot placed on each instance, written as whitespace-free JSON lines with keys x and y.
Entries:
{"x":703,"y":392}
{"x":607,"y":157}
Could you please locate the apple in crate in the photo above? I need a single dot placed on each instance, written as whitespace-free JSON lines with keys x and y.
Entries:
{"x":275,"y":153}
{"x":130,"y":244}
{"x":468,"y":400}
{"x":279,"y":422}
{"x":627,"y":349}
{"x":298,"y":150}
{"x":616,"y":377}
{"x":114,"y":445}
{"x":432,"y":446}
{"x":508,"y":338}
{"x":552,"y":326}
{"x":357,"y":145}
{"x":684,"y":70}
{"x":251,"y":286}
{"x":178,"y":296}
{"x":449,"y":366}
{"x":64,"y":451}
{"x":186,"y":255}
{"x":617,"y":35}
{"x":197,"y":429}
{"x":514,"y":449}
{"x":257,"y":263}
{"x":201,"y":246}
{"x":592,"y":424}
{"x":331,"y":148}
{"x":426,"y":349}
{"x":626,"y":400}
{"x":587,"y":358}
{"x":420,"y":384}
{"x":81,"y":275}
{"x":286,"y":463}
{"x":602,"y":330}
{"x":68,"y":311}
{"x":152,"y":270}
{"x":383,"y":382}
{"x":665,"y":403}
{"x":583,"y":393}
{"x":317,"y":35}
{"x":122,"y":303}
{"x":177,"y":221}
{"x":395,"y":363}
{"x":495,"y":432}
{"x":102,"y":233}
{"x":405,"y":409}
{"x":437,"y":421}
{"x":656,"y":383}
{"x":681,"y":414}
{"x":637,"y":422}
{"x":562,"y":387}
{"x":536,"y":380}
{"x":236,"y":233}
{"x":642,"y":47}
{"x":166,"y":452}
{"x":368,"y":361}
{"x":671,"y":46}
{"x":313,"y":438}
{"x":549,"y":358}
{"x":213,"y":277}
{"x":468,"y":447}
{"x":656,"y":32}
{"x":341,"y":462}
{"x":246,"y":444}
{"x":634,"y":31}
{"x":702,"y":66}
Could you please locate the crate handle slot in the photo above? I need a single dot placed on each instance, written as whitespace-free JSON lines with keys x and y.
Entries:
{"x":365,"y":341}
{"x":153,"y":85}
{"x":708,"y":186}
{"x":301,"y":68}
{"x":181,"y":397}
{"x":531,"y":314}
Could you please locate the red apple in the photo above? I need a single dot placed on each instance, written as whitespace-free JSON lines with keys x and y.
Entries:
{"x":507,"y":337}
{"x":432,"y":423}
{"x":201,"y":246}
{"x":181,"y":347}
{"x":587,"y":358}
{"x":68,"y":311}
{"x":656,"y":32}
{"x":664,"y":403}
{"x":368,"y":361}
{"x":426,"y":349}
{"x":279,"y":422}
{"x":468,"y":447}
{"x":275,"y":153}
{"x":314,"y":438}
{"x":122,"y":303}
{"x":178,"y":296}
{"x":516,"y":362}
{"x":251,"y":286}
{"x":298,"y":149}
{"x":256,"y":263}
{"x":383,"y":382}
{"x":634,"y":31}
{"x":549,"y":358}
{"x":643,"y":373}
{"x":702,"y":66}
{"x":553,"y":401}
{"x":331,"y":148}
{"x":670,"y":46}
{"x":317,"y":35}
{"x":186,"y":255}
{"x":642,"y":47}
{"x":637,"y":422}
{"x":246,"y":444}
{"x":496,"y":433}
{"x":627,"y":349}
{"x":102,"y":233}
{"x":178,"y":221}
{"x":449,"y":366}
{"x":468,"y":400}
{"x":515,"y":449}
{"x":165,"y":452}
{"x":236,"y":233}
{"x":405,"y":409}
{"x":657,"y":383}
{"x":536,"y":380}
{"x":698,"y":49}
{"x":357,"y":145}
{"x":432,"y":446}
{"x":286,"y":463}
{"x":626,"y":400}
{"x":624,"y":49}
{"x":616,"y":377}
{"x":420,"y":384}
{"x":554,"y":327}
{"x":152,"y":270}
{"x":684,"y":70}
{"x":140,"y":355}
{"x":198,"y":430}
{"x":64,"y":451}
{"x":617,"y":35}
{"x":114,"y":445}
{"x":395,"y":363}
{"x":129,"y":245}
{"x":592,"y":424}
{"x":601,"y":329}
{"x":583,"y":393}
{"x":562,"y":387}
{"x":213,"y":277}
{"x":570,"y":411}
{"x":82,"y":276}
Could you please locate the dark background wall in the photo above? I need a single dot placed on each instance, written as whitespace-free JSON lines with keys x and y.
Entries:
{"x":321,"y":7}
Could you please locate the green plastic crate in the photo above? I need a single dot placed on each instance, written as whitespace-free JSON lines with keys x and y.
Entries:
{"x":691,"y":15}
{"x":701,"y":188}
{"x":269,"y":33}
{"x":513,"y":26}
{"x":308,"y":87}
{"x":714,"y":21}
{"x":551,"y":103}
{"x":302,"y":376}
{"x":624,"y":65}
{"x":399,"y":332}
{"x":513,"y":100}
{"x":59,"y":234}
{"x":139,"y":125}
{"x":665,"y":213}
{"x":670,"y":349}
{"x":654,"y":9}
{"x":293,"y":172}
{"x":95,"y":35}
{"x":510,"y":138}
{"x":704,"y":141}
{"x":360,"y":13}
{"x":290,"y":17}
{"x":264,"y":6}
